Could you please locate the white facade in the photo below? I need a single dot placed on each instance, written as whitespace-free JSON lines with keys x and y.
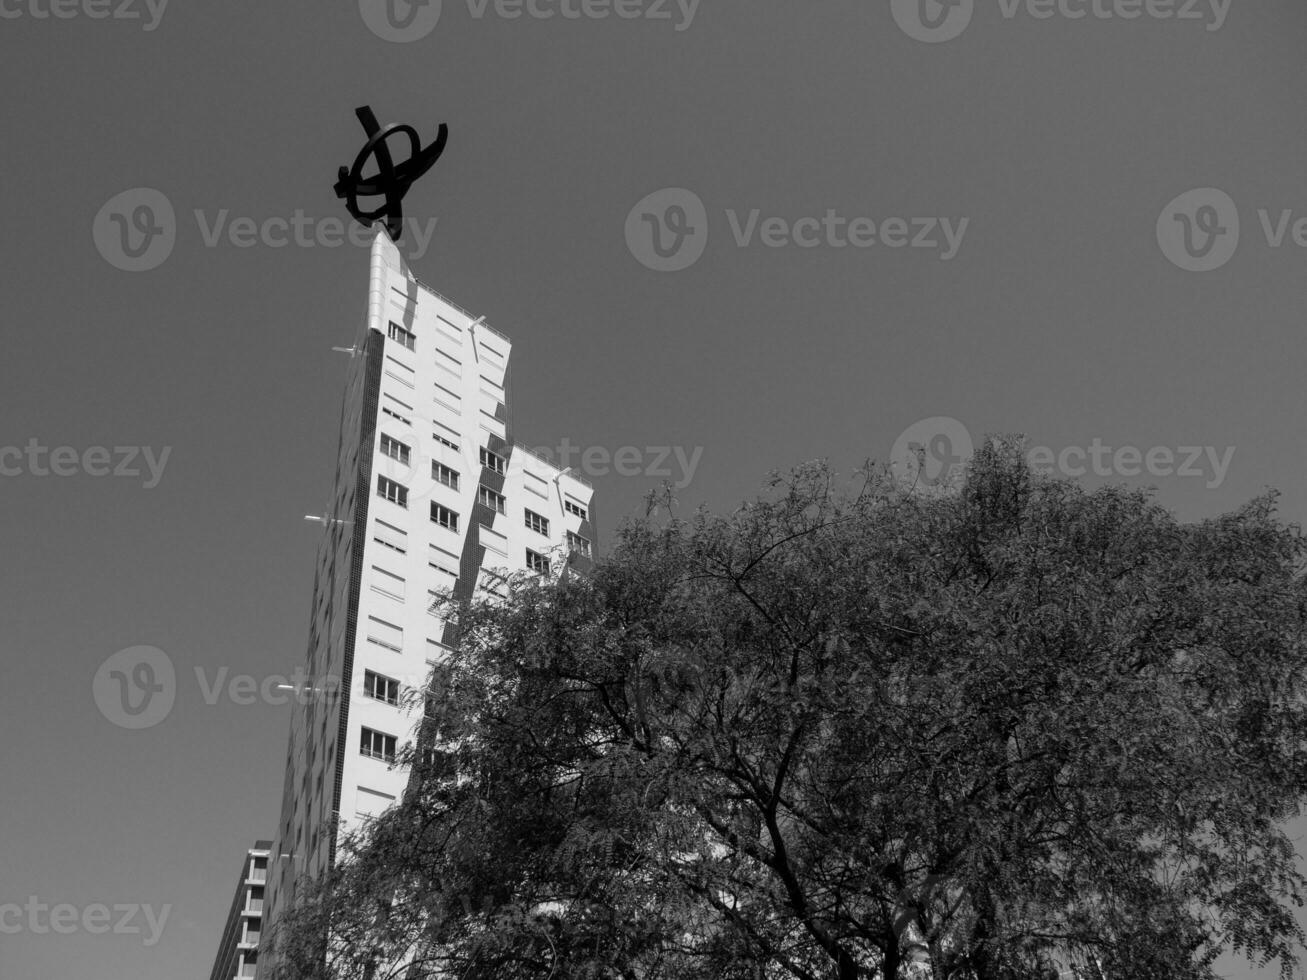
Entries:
{"x":431,"y":497}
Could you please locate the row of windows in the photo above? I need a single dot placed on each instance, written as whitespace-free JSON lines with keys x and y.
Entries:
{"x":447,"y":475}
{"x":394,"y":586}
{"x":397,"y":493}
{"x":408,"y":339}
{"x":400,"y":452}
{"x":391,"y":637}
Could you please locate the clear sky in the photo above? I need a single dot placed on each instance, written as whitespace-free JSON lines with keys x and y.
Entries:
{"x":1061,"y":140}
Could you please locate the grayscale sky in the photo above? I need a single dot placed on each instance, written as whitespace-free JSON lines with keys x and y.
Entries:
{"x":1063,"y":142}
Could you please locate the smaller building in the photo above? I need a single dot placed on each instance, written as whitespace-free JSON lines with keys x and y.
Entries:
{"x":238,"y":953}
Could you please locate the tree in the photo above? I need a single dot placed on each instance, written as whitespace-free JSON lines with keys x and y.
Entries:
{"x":1023,"y":731}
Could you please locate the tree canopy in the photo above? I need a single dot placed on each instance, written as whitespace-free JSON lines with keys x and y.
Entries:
{"x":1016,"y":732}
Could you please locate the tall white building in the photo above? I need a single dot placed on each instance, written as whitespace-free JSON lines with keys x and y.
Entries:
{"x":430,"y":495}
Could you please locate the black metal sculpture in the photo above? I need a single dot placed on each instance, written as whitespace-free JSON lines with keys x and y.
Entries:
{"x":391,"y":181}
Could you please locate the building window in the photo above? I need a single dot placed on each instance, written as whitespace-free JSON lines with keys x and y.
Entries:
{"x":254,"y":903}
{"x":391,"y":537}
{"x":399,"y":371}
{"x":394,"y":449}
{"x":491,"y":499}
{"x":537,"y":523}
{"x":443,"y":560}
{"x":444,"y":474}
{"x":395,"y":415}
{"x":493,"y":541}
{"x":387,"y":583}
{"x":377,"y":745}
{"x":576,"y":509}
{"x":260,"y":870}
{"x":385,"y":634}
{"x":536,"y":484}
{"x":493,"y":461}
{"x":578,"y":544}
{"x":449,"y":444}
{"x":537,"y":562}
{"x":445,"y":517}
{"x":448,"y":393}
{"x":398,"y":333}
{"x":394,"y":492}
{"x":380,"y":687}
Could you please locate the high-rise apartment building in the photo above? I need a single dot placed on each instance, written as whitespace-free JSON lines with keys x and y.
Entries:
{"x":431,"y":496}
{"x":238,"y":951}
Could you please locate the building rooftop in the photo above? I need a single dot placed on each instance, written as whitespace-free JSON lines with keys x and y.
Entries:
{"x":468,"y":313}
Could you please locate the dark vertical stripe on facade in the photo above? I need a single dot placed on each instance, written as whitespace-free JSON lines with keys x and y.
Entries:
{"x":367,"y":429}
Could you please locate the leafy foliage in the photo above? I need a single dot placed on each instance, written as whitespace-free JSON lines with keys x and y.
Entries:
{"x":1019,"y":732}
